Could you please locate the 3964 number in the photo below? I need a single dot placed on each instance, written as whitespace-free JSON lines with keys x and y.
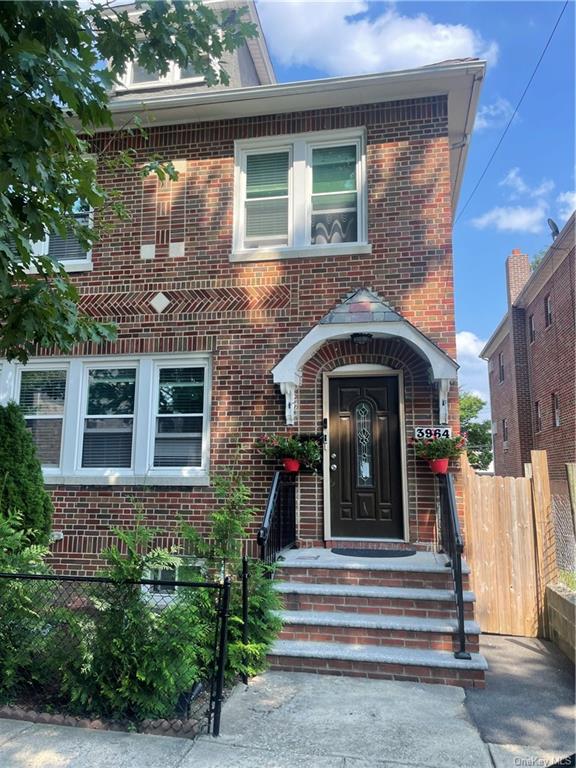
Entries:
{"x":429,"y":433}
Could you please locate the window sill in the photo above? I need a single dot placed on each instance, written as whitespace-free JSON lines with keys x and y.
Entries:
{"x":69,"y":266}
{"x":202,"y":479}
{"x":311,"y":251}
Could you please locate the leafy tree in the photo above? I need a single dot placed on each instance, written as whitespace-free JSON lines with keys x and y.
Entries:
{"x":21,"y":483}
{"x":479,"y":433}
{"x":52,"y":68}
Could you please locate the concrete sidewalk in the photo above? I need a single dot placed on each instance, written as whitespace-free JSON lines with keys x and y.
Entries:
{"x":292,"y":720}
{"x":282,"y":720}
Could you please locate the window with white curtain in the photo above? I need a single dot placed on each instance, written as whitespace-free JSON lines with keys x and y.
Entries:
{"x":113,"y":420}
{"x":300,"y":192}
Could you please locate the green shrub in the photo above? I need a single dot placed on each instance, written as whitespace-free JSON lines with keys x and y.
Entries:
{"x":21,"y":482}
{"x":23,"y":626}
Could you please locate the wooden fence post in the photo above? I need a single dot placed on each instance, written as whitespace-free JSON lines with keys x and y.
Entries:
{"x":545,"y":540}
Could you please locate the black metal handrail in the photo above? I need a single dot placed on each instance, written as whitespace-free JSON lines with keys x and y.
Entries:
{"x":278,"y":530}
{"x":453,"y":545}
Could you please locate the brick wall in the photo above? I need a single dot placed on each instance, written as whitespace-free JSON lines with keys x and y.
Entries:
{"x":249,"y":315}
{"x":551,"y":361}
{"x":504,"y":405}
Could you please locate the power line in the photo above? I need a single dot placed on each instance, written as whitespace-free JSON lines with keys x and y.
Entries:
{"x":528,"y":84}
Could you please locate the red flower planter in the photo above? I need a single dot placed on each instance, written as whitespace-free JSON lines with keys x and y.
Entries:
{"x":291,"y":465}
{"x":439,"y":466}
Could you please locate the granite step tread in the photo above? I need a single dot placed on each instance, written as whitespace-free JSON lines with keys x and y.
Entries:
{"x":421,"y":562}
{"x":381,"y":654}
{"x":358,"y":590}
{"x":375,"y":621}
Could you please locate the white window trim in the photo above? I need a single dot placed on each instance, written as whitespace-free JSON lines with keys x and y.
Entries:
{"x":142,"y":471}
{"x":300,"y":194}
{"x":172,"y":77}
{"x":41,"y":248}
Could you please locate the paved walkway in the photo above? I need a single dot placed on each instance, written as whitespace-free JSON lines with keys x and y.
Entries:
{"x":292,"y":720}
{"x":527,"y":709}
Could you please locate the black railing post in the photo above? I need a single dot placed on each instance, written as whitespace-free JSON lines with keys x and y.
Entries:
{"x":222,"y":648}
{"x":453,"y":546}
{"x":245,"y":615}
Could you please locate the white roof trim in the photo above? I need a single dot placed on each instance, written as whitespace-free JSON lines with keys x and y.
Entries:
{"x":289,"y":369}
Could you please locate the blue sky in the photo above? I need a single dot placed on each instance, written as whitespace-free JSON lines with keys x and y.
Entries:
{"x":532,"y":176}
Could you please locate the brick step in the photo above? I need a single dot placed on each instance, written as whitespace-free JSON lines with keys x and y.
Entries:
{"x":371,"y":629}
{"x":440,"y":579}
{"x":379,"y":662}
{"x":396,"y":601}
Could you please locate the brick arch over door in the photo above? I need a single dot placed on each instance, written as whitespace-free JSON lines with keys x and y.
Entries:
{"x":420,"y":406}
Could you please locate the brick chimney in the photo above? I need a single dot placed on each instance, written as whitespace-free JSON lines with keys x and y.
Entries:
{"x":517,"y":273}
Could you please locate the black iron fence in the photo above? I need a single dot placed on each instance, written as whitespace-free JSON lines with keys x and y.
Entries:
{"x":134,"y":652}
{"x":278,"y":530}
{"x":453,"y":545}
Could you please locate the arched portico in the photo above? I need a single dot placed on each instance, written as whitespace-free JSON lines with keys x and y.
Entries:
{"x":364,"y":313}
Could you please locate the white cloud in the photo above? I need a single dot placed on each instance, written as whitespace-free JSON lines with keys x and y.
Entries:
{"x":516,"y":218}
{"x":494,"y":115}
{"x":473,"y":373}
{"x":567,"y":204}
{"x":339,"y":38}
{"x":514,"y":181}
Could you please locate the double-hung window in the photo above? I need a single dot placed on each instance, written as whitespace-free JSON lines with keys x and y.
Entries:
{"x":67,"y":249}
{"x":42,"y":394}
{"x":108,"y":427}
{"x":116,"y":420}
{"x":300,"y":196}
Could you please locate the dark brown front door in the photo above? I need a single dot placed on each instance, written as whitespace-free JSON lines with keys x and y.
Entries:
{"x":365,"y":466}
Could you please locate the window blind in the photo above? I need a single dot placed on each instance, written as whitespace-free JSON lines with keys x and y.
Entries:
{"x":266,"y":209}
{"x":179,"y":419}
{"x":68,"y":248}
{"x":42,"y":395}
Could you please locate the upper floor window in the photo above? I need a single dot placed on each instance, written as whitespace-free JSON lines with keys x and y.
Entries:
{"x":116,"y":419}
{"x":67,"y":250}
{"x":555,"y":409}
{"x":531,"y":329}
{"x":501,"y":367}
{"x":547,"y":311}
{"x":300,"y":192}
{"x":137,"y":76}
{"x":505,"y":433}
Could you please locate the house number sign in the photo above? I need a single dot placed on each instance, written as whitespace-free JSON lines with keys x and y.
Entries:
{"x":429,"y":433}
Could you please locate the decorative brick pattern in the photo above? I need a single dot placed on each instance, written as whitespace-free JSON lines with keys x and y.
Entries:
{"x":249,"y":315}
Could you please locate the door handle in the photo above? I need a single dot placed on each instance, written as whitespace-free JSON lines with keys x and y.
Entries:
{"x":333,"y":467}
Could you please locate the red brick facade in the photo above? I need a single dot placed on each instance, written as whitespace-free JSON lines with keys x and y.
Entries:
{"x":249,"y":315}
{"x":539,"y":362}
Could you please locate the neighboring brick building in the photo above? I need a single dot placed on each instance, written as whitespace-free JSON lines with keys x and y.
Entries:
{"x":531,"y":360}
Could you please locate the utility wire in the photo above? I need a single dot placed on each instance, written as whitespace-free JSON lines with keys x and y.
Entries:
{"x":528,"y":84}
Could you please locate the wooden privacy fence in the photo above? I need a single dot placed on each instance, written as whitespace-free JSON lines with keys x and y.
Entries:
{"x":510,"y":547}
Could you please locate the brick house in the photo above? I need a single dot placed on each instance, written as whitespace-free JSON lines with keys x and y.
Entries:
{"x":531,"y":363}
{"x":297,"y":277}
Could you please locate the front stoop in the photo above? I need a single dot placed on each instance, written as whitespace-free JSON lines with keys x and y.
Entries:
{"x":387,"y":618}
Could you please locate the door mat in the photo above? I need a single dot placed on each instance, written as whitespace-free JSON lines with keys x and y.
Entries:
{"x":375,"y":552}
